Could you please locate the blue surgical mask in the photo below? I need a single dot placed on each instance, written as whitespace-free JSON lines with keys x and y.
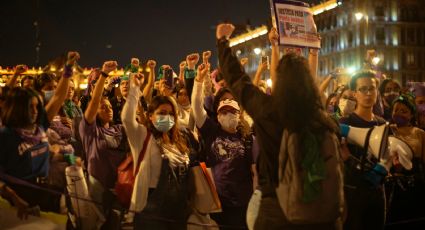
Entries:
{"x":400,"y":120}
{"x":164,"y":123}
{"x":48,"y":94}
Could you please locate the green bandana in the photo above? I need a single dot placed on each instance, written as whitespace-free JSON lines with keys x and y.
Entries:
{"x":314,"y":166}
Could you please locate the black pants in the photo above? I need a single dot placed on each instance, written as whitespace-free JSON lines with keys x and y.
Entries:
{"x":271,"y":217}
{"x":167,"y":206}
{"x":406,"y":203}
{"x":365,"y":208}
{"x":231,"y":218}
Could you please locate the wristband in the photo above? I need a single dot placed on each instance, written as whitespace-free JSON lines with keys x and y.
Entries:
{"x":67,"y":71}
{"x":103,"y":74}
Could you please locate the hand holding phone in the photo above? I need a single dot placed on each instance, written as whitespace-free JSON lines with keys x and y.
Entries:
{"x":168,"y":77}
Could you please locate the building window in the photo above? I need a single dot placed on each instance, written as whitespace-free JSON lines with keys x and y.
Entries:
{"x":333,"y":43}
{"x":411,"y":38}
{"x":380,"y":34}
{"x":379,"y":11}
{"x":410,"y":59}
{"x":350,"y":38}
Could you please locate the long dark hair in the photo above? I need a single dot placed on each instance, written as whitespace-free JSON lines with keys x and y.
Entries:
{"x":176,"y":137}
{"x":42,"y":80}
{"x":297,"y":99}
{"x":16,"y":109}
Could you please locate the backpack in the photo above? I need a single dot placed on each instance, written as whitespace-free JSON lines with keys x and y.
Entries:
{"x":125,"y":180}
{"x":327,"y":207}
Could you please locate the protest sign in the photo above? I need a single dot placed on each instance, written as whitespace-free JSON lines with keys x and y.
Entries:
{"x":295,"y":24}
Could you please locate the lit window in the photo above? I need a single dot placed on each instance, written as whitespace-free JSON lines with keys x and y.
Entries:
{"x":410,"y":58}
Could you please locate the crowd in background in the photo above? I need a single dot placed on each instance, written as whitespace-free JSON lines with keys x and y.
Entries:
{"x":219,"y":116}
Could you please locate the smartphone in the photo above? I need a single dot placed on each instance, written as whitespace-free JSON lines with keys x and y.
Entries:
{"x":265,"y":59}
{"x":168,"y":76}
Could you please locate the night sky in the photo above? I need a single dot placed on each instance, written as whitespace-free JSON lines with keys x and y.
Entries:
{"x":165,"y":30}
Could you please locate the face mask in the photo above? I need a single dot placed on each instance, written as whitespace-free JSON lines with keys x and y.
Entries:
{"x":421,"y":109}
{"x":400,"y":120}
{"x":346,"y":106}
{"x":48,"y":94}
{"x":164,"y":123}
{"x":390,"y":97}
{"x":229,"y":121}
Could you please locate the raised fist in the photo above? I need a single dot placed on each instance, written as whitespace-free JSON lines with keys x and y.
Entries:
{"x":202,"y":71}
{"x":136,"y":79}
{"x":19,"y":69}
{"x":192,"y":60}
{"x":182,"y":65}
{"x":73,"y":57}
{"x":224,"y":30}
{"x":164,"y":67}
{"x":151,"y":64}
{"x":206,"y":56}
{"x":109,"y":66}
{"x":135,"y":62}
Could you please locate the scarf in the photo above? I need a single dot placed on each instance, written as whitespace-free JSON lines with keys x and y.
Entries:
{"x":314,"y":166}
{"x":70,"y":109}
{"x":30,"y":138}
{"x":174,"y":155}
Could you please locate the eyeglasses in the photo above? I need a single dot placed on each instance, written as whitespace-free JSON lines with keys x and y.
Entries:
{"x":367,"y":89}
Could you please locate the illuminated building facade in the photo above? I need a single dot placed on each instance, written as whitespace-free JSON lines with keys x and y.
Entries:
{"x":395,"y":29}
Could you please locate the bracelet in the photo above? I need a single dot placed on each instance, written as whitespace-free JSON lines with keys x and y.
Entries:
{"x":103,"y":74}
{"x":67,"y":71}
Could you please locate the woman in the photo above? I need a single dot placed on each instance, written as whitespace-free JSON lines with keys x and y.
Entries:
{"x":346,"y":102}
{"x":294,"y":106}
{"x":24,"y":151}
{"x":46,"y":85}
{"x":105,"y":144}
{"x":389,"y":90}
{"x":229,"y":153}
{"x":160,"y":189}
{"x":184,"y":110}
{"x":406,"y":188}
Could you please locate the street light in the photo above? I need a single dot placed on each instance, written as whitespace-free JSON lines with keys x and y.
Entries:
{"x":351,"y":70}
{"x":257,"y":51}
{"x":358,"y":16}
{"x":375,"y":60}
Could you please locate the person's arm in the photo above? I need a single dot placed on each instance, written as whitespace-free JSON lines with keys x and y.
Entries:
{"x":147,"y":91}
{"x":325,"y":83}
{"x":52,"y":108}
{"x":136,"y":132}
{"x":273,"y":38}
{"x":182,"y":67}
{"x":23,"y":207}
{"x":207,"y":86}
{"x":91,"y":111}
{"x":199,"y":113}
{"x":249,"y":96}
{"x":257,"y":78}
{"x":313,"y":60}
{"x":254,"y":177}
{"x":19,"y":69}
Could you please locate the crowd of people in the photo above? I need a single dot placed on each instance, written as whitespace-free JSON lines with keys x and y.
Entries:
{"x":173,"y":122}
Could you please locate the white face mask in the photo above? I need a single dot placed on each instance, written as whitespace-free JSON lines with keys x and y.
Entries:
{"x":346,"y":106}
{"x":228,"y":122}
{"x":48,"y":94}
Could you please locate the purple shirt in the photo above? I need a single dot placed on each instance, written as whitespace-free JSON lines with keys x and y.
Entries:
{"x":105,"y":149}
{"x":230,"y":158}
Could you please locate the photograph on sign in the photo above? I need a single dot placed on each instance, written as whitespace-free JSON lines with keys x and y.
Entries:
{"x":296,"y":26}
